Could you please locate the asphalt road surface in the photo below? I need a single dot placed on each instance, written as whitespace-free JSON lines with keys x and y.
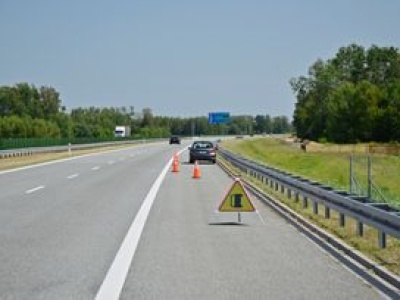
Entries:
{"x":63,"y":227}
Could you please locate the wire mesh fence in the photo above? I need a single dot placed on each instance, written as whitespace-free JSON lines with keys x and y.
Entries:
{"x":376,"y":177}
{"x":19,"y":143}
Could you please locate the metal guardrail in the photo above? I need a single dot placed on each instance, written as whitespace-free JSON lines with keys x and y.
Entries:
{"x":380,"y":216}
{"x":70,"y":147}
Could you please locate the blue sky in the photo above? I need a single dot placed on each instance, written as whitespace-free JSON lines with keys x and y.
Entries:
{"x":183,"y":58}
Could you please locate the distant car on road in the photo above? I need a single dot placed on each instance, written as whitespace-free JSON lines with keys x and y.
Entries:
{"x":202,"y":150}
{"x":174,"y":140}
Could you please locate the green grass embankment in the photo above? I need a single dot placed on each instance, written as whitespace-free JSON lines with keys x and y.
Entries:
{"x":328,"y":168}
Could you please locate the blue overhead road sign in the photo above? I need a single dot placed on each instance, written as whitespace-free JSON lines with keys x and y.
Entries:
{"x":218,"y":118}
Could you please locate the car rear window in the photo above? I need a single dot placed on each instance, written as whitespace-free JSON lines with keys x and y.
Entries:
{"x":203,"y":145}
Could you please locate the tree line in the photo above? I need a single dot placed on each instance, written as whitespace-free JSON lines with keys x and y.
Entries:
{"x":30,"y":112}
{"x":352,"y":97}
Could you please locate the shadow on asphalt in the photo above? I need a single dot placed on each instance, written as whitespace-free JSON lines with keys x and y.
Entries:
{"x":227,"y":223}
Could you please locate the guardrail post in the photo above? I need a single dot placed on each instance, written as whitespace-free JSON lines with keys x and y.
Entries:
{"x":276,"y":186}
{"x":315,"y":207}
{"x":289,"y":193}
{"x":282,"y":188}
{"x":360,"y":228}
{"x":271,"y":184}
{"x":327,"y":212}
{"x":305,"y":202}
{"x":342,"y":220}
{"x":297,"y":197}
{"x":382,"y":239}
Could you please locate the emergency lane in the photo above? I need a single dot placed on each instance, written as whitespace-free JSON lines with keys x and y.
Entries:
{"x":188,"y":251}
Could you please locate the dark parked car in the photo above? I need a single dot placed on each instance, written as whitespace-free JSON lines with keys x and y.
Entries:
{"x":202,"y":150}
{"x":174,"y":140}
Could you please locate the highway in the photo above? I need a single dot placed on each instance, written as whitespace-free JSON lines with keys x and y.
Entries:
{"x":68,"y":231}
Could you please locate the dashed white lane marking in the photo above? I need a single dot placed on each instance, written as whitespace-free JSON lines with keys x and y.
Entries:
{"x":35,"y":189}
{"x":113,"y":283}
{"x":73,"y":176}
{"x":95,"y":168}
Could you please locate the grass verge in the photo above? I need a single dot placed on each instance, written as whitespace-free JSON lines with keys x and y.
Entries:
{"x":332,"y":169}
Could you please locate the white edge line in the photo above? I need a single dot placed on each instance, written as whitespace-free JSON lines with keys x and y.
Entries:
{"x":34,"y":189}
{"x":261,"y":218}
{"x":114,"y":281}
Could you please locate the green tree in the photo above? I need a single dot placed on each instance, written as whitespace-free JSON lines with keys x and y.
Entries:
{"x":50,"y":100}
{"x":347,"y":98}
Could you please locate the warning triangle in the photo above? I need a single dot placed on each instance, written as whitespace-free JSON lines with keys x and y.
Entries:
{"x":236,"y":200}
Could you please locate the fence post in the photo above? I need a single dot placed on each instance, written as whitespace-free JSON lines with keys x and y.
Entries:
{"x":351,"y":174}
{"x":369,"y":178}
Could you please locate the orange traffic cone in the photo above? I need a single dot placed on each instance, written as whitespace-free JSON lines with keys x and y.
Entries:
{"x":175,"y":166}
{"x":196,"y":171}
{"x":176,"y":157}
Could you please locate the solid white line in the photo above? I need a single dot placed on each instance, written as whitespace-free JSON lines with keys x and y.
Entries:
{"x":95,"y":168}
{"x":114,"y":281}
{"x":261,"y":218}
{"x":73,"y":176}
{"x":34,"y":189}
{"x":116,"y":275}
